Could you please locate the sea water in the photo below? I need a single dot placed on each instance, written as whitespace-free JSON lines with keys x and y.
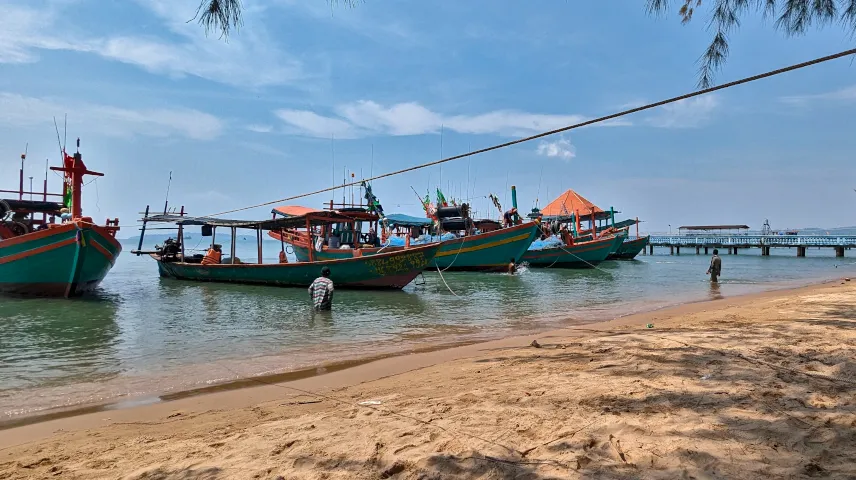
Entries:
{"x":142,"y":336}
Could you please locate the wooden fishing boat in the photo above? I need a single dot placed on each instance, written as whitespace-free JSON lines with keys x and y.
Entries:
{"x":579,"y":255}
{"x":629,"y":248}
{"x":489,"y":251}
{"x":385,"y":270}
{"x":39,"y":257}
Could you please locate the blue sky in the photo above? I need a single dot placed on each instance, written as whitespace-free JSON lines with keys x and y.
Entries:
{"x":251,"y":120}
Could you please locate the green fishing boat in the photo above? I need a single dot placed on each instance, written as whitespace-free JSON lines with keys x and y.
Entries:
{"x":579,"y":255}
{"x":39,"y":257}
{"x":385,"y":270}
{"x":629,"y":248}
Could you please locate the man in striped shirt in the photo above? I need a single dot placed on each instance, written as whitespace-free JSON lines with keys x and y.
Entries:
{"x":321,"y":291}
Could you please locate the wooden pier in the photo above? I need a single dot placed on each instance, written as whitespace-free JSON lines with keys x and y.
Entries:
{"x":731,"y":244}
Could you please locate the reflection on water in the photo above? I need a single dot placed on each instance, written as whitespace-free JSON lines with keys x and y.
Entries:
{"x":145,"y":335}
{"x":715,"y":292}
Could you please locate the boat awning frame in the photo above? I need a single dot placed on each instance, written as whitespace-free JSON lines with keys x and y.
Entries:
{"x":317,"y":218}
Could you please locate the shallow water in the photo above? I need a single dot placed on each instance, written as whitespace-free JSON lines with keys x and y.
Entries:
{"x":142,"y":336}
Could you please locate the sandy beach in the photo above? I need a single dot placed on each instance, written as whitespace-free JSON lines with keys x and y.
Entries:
{"x":760,"y":386}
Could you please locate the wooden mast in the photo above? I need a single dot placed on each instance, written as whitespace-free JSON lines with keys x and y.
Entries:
{"x":74,"y":167}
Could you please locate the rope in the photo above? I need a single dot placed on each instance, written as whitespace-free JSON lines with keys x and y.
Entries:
{"x":559,"y":130}
{"x":461,"y":247}
{"x":444,"y":282}
{"x":584,"y":261}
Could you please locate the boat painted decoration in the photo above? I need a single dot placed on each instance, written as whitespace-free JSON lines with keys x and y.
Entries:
{"x":66,"y":261}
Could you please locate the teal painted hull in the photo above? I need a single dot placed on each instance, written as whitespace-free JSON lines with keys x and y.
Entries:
{"x":629,"y":248}
{"x":55,"y":262}
{"x":392,"y":270}
{"x":490,"y":251}
{"x":580,"y":255}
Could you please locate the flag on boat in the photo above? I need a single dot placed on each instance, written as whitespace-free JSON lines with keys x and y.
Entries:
{"x":373,"y":202}
{"x":441,"y":200}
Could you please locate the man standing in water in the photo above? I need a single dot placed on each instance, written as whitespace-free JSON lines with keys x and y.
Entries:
{"x":321,"y":291}
{"x":715,"y":266}
{"x":512,"y":268}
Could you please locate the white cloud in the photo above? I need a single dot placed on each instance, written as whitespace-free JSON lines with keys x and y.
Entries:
{"x":259,"y":128}
{"x":311,"y":124}
{"x":561,"y":148}
{"x":364,"y":118}
{"x":847,"y":94}
{"x":18,"y":110}
{"x":688,"y":113}
{"x":249,"y":59}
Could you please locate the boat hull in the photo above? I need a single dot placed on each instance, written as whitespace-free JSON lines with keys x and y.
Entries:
{"x":580,"y":255}
{"x":65,"y":261}
{"x":392,"y":270}
{"x":629,"y":249}
{"x":491,"y":251}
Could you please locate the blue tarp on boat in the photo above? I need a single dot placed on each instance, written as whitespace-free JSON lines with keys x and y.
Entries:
{"x":402,"y":220}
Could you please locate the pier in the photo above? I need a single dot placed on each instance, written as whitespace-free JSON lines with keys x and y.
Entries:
{"x":731,"y":244}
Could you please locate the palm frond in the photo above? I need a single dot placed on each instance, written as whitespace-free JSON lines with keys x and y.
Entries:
{"x":220,"y":16}
{"x":223,"y":16}
{"x":793,"y":17}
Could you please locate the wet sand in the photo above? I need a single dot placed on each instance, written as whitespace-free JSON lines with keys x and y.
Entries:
{"x":760,"y":386}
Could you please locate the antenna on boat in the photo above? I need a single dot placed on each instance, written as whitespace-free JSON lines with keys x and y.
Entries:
{"x":440,"y":182}
{"x":166,"y":201}
{"x":65,"y":133}
{"x":59,"y":142}
{"x":371,"y":170}
{"x":21,"y":184}
{"x":333,"y":162}
{"x":540,"y":177}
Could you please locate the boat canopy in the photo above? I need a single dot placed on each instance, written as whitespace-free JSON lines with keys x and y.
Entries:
{"x":402,"y":220}
{"x":293,"y":210}
{"x":315,"y":218}
{"x":569,"y":202}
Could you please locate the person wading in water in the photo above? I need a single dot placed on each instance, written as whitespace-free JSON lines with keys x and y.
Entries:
{"x":321,"y":291}
{"x":715,"y":266}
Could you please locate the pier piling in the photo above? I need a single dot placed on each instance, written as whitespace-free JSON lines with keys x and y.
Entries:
{"x":839,"y":251}
{"x":800,"y":251}
{"x":705,"y":250}
{"x":697,"y":250}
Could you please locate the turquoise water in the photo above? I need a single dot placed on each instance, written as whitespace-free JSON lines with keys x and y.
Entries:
{"x":142,"y":336}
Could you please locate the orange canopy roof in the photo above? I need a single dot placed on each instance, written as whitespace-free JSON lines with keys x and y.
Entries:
{"x":568,"y":203}
{"x":294,"y":210}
